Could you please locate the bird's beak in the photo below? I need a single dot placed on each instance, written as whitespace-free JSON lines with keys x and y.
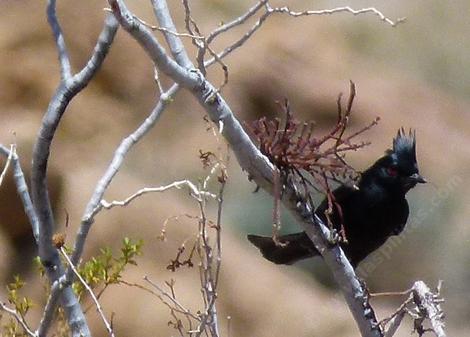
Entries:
{"x":416,"y":178}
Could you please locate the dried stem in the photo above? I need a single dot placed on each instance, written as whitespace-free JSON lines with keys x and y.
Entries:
{"x":297,"y":153}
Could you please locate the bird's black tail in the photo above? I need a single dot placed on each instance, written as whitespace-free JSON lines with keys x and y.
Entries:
{"x":297,"y":247}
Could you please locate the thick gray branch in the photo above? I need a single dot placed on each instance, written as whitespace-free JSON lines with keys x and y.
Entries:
{"x":152,"y":47}
{"x":68,"y":88}
{"x":176,"y":47}
{"x":258,"y":167}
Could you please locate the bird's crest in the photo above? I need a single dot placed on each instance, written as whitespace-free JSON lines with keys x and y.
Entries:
{"x":404,"y":145}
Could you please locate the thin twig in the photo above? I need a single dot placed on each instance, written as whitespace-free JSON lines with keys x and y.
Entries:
{"x":50,"y":308}
{"x":157,"y":80}
{"x":229,"y":49}
{"x":90,"y":291}
{"x":391,"y":293}
{"x":166,"y":30}
{"x":347,"y":9}
{"x":395,"y":324}
{"x":202,"y":46}
{"x":171,"y":298}
{"x":220,"y":201}
{"x":19,"y":318}
{"x":93,"y":206}
{"x":285,"y":10}
{"x":236,"y":22}
{"x":173,"y":307}
{"x":195,"y":192}
{"x":7,"y":164}
{"x":401,"y":309}
{"x":22,"y":190}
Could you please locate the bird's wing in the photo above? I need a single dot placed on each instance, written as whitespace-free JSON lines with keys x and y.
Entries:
{"x":402,"y":218}
{"x":342,"y":194}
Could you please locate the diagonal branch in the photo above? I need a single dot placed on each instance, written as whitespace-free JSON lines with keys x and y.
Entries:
{"x":19,"y":318}
{"x":68,"y":88}
{"x":151,"y":45}
{"x":51,"y":305}
{"x":92,"y":207}
{"x":64,"y":60}
{"x":269,"y":10}
{"x":22,"y":190}
{"x":9,"y":154}
{"x":260,"y":170}
{"x":126,"y":145}
{"x":238,"y":21}
{"x":90,"y":291}
{"x":176,"y":47}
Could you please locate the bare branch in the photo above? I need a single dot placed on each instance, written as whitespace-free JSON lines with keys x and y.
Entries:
{"x":422,"y":304}
{"x":182,"y":71}
{"x":90,"y":291}
{"x":229,"y":49}
{"x":428,"y":306}
{"x":51,"y":306}
{"x":285,"y":10}
{"x":165,"y":30}
{"x":167,"y":26}
{"x":22,"y":189}
{"x":209,"y":270}
{"x":65,"y":68}
{"x":336,"y":10}
{"x":195,"y":192}
{"x":68,"y":88}
{"x":7,"y":164}
{"x":157,"y":81}
{"x":157,"y":53}
{"x":259,"y":168}
{"x":238,"y":21}
{"x":93,"y":204}
{"x":100,"y":51}
{"x":171,"y":298}
{"x":395,"y":323}
{"x":201,"y":45}
{"x":19,"y":318}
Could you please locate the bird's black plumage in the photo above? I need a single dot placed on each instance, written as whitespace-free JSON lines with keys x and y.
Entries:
{"x":371,"y":213}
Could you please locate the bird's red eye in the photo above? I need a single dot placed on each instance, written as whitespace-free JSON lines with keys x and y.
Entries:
{"x":392,"y":172}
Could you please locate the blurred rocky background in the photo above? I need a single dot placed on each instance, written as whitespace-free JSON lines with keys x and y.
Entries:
{"x":414,"y":75}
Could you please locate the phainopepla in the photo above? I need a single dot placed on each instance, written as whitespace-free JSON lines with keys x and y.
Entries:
{"x":371,"y":212}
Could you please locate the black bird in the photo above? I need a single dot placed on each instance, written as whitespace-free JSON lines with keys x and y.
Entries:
{"x":371,"y":212}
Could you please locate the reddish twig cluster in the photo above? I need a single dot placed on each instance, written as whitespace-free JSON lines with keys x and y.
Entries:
{"x":306,"y":158}
{"x":177,"y":262}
